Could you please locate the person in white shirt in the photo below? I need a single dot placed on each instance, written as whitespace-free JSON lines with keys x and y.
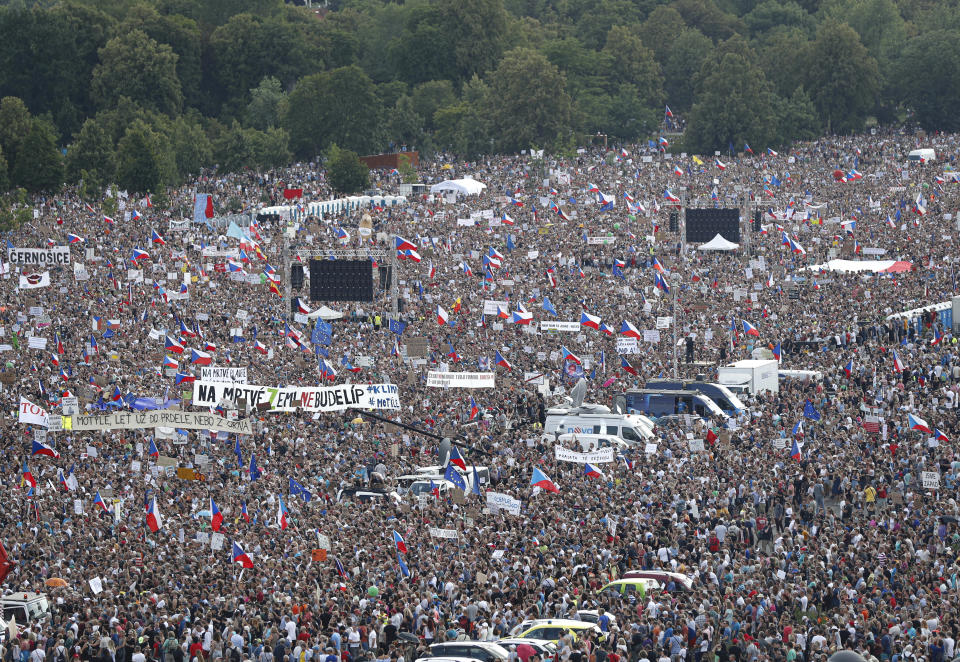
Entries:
{"x":291,"y":630}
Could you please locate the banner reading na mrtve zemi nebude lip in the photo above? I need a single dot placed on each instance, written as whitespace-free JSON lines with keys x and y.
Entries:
{"x":306,"y":398}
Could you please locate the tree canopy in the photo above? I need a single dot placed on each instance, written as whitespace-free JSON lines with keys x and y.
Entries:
{"x":249,"y":83}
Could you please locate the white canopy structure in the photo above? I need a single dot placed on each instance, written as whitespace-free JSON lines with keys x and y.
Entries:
{"x":718,"y":243}
{"x":326,"y":314}
{"x":459,"y":186}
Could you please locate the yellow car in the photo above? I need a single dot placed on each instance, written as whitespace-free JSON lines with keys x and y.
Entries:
{"x":554,"y":628}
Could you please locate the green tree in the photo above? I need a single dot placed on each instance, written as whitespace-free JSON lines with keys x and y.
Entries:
{"x":782,"y":56}
{"x":466,"y":128}
{"x":682,"y":65}
{"x":15,"y":122}
{"x":92,"y":157}
{"x":136,"y":66}
{"x":404,"y":125}
{"x":634,"y":64}
{"x":142,"y":163}
{"x":594,"y":26}
{"x":528,"y":101}
{"x":878,"y":23}
{"x":248,"y":48}
{"x":271,"y":148}
{"x":191,"y":147}
{"x":39,"y":165}
{"x":927,"y":80}
{"x":707,"y":17}
{"x":796,"y":118}
{"x":843,"y":78}
{"x":232,"y":149}
{"x":339,"y":106}
{"x":345,"y":171}
{"x":735,"y":103}
{"x":4,"y":174}
{"x":660,"y":30}
{"x":429,"y":97}
{"x":476,"y":29}
{"x":267,"y":101}
{"x":182,"y":35}
{"x":772,"y":13}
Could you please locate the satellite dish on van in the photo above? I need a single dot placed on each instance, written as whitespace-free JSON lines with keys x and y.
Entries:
{"x":444,"y":452}
{"x":578,"y":392}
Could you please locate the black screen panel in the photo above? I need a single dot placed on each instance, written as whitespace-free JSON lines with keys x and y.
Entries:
{"x":341,"y":280}
{"x":704,"y":224}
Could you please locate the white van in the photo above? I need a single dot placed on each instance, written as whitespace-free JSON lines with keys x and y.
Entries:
{"x":924,"y":155}
{"x":598,"y":419}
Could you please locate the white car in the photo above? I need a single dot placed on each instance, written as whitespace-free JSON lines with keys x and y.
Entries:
{"x":485,"y":651}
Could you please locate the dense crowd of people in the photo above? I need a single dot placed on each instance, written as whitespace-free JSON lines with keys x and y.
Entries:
{"x":800,"y":540}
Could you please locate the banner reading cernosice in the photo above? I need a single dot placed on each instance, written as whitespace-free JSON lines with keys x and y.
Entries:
{"x":460,"y":379}
{"x":160,"y":418}
{"x":39,"y":257}
{"x":309,"y":398}
{"x":593,"y":457}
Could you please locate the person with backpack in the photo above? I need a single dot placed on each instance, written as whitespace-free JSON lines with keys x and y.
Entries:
{"x":169,"y":647}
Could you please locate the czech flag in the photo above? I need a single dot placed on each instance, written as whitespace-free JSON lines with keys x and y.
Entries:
{"x":750,"y":329}
{"x":281,"y":514}
{"x":543,"y":481}
{"x":591,"y":471}
{"x":139,"y":255}
{"x":720,"y":164}
{"x":154,"y":521}
{"x":243,"y":511}
{"x":629,"y":330}
{"x":591,"y":321}
{"x":677,"y":170}
{"x":398,"y":541}
{"x":455,"y":456}
{"x":172,"y":345}
{"x":241,"y":557}
{"x":567,"y":355}
{"x":626,"y":366}
{"x":170,"y":362}
{"x":897,"y":363}
{"x":216,"y":517}
{"x":199,"y":358}
{"x":74,"y":239}
{"x":795,"y":451}
{"x":474,"y":408}
{"x":521,"y":316}
{"x":777,"y":352}
{"x":604,"y":328}
{"x":848,"y":369}
{"x":404,"y":245}
{"x":915,"y":423}
{"x":135,"y":215}
{"x":500,"y":361}
{"x":771,"y":152}
{"x":184,"y":378}
{"x":157,"y":239}
{"x":98,"y":501}
{"x":668,"y":195}
{"x":153,"y":451}
{"x":442,"y":317}
{"x":937,"y":336}
{"x":43,"y":449}
{"x":260,"y":347}
{"x":657,"y":265}
{"x":28,"y":476}
{"x":302,"y":307}
{"x":939,"y":435}
{"x":505,"y":219}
